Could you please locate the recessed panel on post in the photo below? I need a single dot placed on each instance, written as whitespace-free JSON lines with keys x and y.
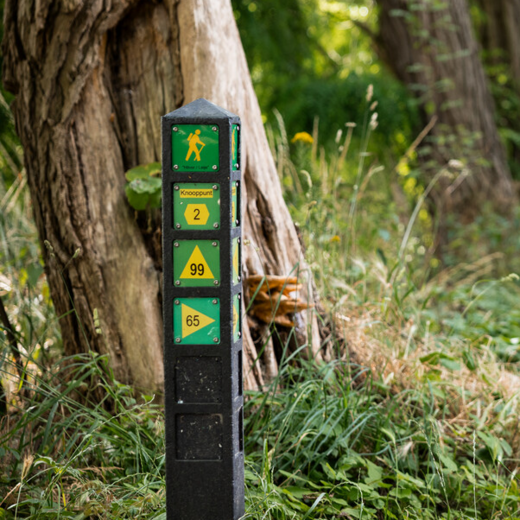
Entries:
{"x":196,"y":263}
{"x":199,"y":437}
{"x":196,"y":206}
{"x":196,"y":321}
{"x":195,"y":148}
{"x":198,"y":379}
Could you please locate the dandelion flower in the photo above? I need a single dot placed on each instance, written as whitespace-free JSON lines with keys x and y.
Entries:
{"x":304,"y":137}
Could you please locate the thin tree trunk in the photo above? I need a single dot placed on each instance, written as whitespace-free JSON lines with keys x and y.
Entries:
{"x":91,"y":81}
{"x":431,"y":48}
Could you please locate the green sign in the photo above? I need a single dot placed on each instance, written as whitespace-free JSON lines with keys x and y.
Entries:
{"x":196,"y":321}
{"x":235,"y":210}
{"x":195,"y":148}
{"x":235,"y":144}
{"x":236,"y":261}
{"x":196,"y":206}
{"x":237,"y":326}
{"x":196,"y":263}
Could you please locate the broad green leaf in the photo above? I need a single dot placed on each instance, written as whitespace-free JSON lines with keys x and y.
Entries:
{"x":138,"y":201}
{"x":143,"y":171}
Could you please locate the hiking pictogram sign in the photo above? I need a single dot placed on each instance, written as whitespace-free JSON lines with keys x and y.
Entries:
{"x":196,"y":263}
{"x":195,"y":148}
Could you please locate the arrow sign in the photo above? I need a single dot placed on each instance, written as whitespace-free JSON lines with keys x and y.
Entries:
{"x":193,"y":321}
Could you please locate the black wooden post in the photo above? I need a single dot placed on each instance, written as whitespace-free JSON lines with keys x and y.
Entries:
{"x":202,"y":331}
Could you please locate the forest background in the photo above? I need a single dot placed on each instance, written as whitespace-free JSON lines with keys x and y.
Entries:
{"x":416,"y":414}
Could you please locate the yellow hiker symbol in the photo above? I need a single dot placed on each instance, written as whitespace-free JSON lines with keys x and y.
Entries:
{"x":197,"y":267}
{"x":193,"y":320}
{"x":194,"y":140}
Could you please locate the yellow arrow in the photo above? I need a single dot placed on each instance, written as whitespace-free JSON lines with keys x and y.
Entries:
{"x":235,"y":259}
{"x":197,"y":267}
{"x":193,"y":321}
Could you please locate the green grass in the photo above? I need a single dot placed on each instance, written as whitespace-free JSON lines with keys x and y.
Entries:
{"x":416,"y":415}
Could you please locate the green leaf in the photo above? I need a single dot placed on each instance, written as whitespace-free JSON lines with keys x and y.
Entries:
{"x":450,"y":364}
{"x":314,"y":506}
{"x":296,"y":492}
{"x":138,"y":201}
{"x":143,"y":171}
{"x":156,"y":199}
{"x":33,"y":273}
{"x":148,"y":185}
{"x":449,"y":463}
{"x":434,"y":358}
{"x":375,"y":473}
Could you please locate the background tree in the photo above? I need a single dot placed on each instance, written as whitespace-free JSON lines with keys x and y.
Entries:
{"x":430,"y":46}
{"x":91,"y":83}
{"x":496,"y":24}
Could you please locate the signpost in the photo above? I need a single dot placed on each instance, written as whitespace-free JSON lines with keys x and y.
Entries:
{"x":202,"y":300}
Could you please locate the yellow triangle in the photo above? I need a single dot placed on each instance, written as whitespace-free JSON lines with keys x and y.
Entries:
{"x":235,"y":318}
{"x":193,"y":321}
{"x":197,"y":267}
{"x":235,"y":259}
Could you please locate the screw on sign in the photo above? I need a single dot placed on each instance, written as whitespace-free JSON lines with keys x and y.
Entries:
{"x":202,"y":310}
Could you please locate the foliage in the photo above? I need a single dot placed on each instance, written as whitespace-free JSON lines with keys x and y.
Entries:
{"x":99,"y":459}
{"x":416,"y":416}
{"x":417,"y":419}
{"x":310,"y":59}
{"x":144,"y":187}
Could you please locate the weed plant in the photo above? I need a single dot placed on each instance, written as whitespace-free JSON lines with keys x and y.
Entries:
{"x":415,"y":416}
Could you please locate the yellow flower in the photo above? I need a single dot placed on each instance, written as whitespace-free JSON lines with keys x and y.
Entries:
{"x":335,"y":238}
{"x":304,"y":137}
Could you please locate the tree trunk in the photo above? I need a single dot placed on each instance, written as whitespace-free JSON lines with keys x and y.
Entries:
{"x":499,"y":36}
{"x":92,"y":80}
{"x":432,"y":49}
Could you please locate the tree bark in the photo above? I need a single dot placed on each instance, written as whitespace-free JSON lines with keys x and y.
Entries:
{"x":92,"y":80}
{"x":432,"y":49}
{"x":499,"y":36}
